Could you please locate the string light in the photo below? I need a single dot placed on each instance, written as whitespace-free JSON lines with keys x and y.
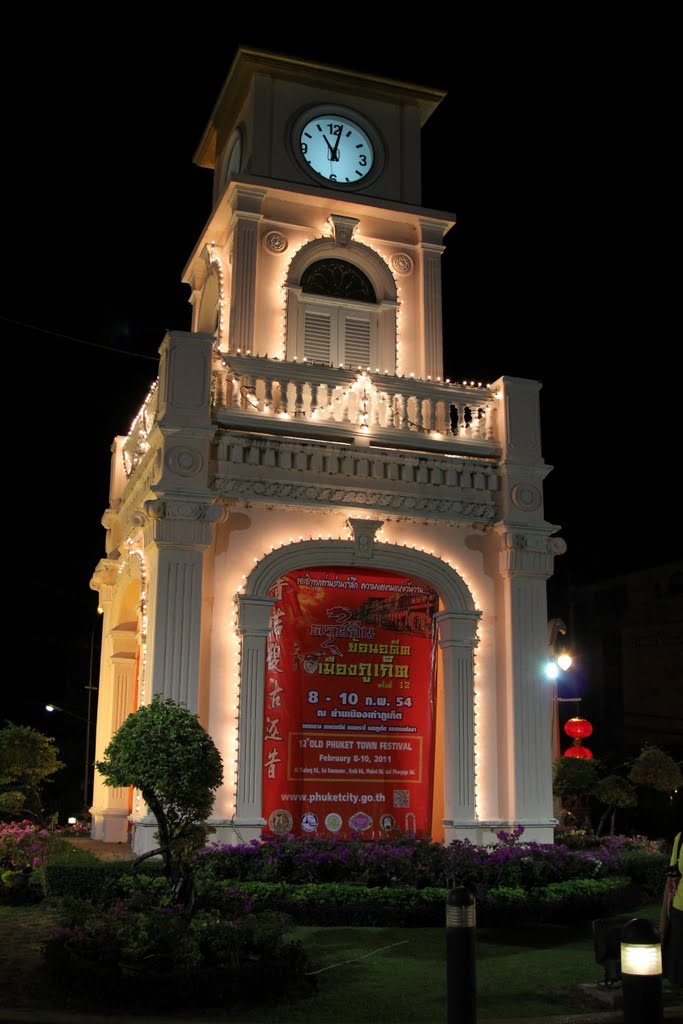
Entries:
{"x":217,"y":263}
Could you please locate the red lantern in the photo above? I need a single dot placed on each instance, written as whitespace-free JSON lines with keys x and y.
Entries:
{"x":577,"y":728}
{"x":579,"y":751}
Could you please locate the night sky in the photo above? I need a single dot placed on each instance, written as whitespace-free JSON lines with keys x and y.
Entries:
{"x":558,"y":149}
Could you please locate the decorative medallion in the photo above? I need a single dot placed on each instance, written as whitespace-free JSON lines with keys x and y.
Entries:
{"x":275,"y":242}
{"x":401,"y":263}
{"x":526,"y":497}
{"x":184,"y":461}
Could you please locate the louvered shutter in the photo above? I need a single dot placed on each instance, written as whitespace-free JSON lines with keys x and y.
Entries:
{"x":317,"y":336}
{"x":356,"y":334}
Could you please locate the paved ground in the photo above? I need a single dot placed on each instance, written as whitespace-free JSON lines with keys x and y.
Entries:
{"x":105,"y":851}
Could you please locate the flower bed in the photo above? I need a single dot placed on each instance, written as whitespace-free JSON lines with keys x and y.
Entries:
{"x":24,"y":849}
{"x":420,"y":863}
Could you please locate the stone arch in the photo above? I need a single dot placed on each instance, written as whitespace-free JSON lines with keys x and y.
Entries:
{"x":450,"y":586}
{"x":457,"y":625}
{"x":365,"y":258}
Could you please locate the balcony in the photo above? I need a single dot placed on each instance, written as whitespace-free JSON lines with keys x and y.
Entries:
{"x":310,"y":434}
{"x":315,"y":435}
{"x":320,"y":402}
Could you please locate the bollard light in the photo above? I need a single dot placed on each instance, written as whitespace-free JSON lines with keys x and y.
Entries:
{"x":461,"y":982}
{"x":641,"y":950}
{"x":641,"y":972}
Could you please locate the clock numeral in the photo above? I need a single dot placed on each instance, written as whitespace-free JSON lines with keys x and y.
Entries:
{"x":333,"y":177}
{"x":362,"y":160}
{"x":334,"y":129}
{"x":304,"y":148}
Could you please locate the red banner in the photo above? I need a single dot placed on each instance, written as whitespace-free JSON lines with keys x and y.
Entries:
{"x":348,"y":746}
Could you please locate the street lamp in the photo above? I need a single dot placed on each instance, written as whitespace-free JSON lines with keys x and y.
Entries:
{"x":90,"y":689}
{"x":559,"y":660}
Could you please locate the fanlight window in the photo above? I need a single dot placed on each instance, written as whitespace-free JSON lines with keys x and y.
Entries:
{"x":338,"y":279}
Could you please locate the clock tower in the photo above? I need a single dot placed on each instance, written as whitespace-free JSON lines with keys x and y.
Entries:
{"x":334,"y":556}
{"x":316,"y":200}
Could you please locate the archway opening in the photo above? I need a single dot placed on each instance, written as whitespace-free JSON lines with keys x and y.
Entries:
{"x":350,"y":705}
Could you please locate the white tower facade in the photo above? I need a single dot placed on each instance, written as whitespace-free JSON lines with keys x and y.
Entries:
{"x":302,"y":436}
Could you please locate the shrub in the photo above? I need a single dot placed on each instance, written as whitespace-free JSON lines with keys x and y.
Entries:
{"x":420,"y":863}
{"x":23,"y":845}
{"x":143,"y":947}
{"x":24,"y":848}
{"x":101,"y":882}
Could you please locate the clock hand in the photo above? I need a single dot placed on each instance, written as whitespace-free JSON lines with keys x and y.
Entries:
{"x":331,"y":151}
{"x":335,"y":154}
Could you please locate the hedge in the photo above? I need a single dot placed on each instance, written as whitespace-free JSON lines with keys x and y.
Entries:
{"x":333,"y":903}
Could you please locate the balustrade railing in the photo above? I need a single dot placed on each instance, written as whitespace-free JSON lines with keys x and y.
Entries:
{"x":341,"y":400}
{"x":418,"y":413}
{"x":136,"y":444}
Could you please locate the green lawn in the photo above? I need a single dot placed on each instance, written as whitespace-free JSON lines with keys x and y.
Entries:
{"x":404,"y":977}
{"x":376,"y":974}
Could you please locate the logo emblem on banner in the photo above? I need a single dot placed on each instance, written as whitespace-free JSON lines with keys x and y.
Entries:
{"x":280,"y":822}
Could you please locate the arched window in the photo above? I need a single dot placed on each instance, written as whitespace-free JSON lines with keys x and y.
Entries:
{"x":338,"y":279}
{"x":341,"y":333}
{"x":341,"y":307}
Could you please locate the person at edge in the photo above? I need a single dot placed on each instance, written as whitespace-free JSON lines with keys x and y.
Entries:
{"x":673,"y":939}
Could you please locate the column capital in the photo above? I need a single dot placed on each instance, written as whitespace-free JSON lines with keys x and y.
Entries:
{"x":525,"y":552}
{"x":186,"y":523}
{"x":458,"y":629}
{"x":254,"y":615}
{"x":104,"y":578}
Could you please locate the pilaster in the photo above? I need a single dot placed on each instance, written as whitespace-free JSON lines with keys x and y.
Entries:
{"x":432,"y":235}
{"x":176,"y":536}
{"x":246,"y":204}
{"x":116,"y":695}
{"x":525,"y":564}
{"x":253,"y":620}
{"x":457,"y":641}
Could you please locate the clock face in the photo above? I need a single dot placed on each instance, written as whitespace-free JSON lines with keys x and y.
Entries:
{"x":336,"y":148}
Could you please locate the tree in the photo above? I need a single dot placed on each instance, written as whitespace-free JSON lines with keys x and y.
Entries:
{"x":164,"y":751}
{"x":614,"y":792}
{"x":654,"y":767}
{"x":573,"y":780}
{"x":27,"y":759}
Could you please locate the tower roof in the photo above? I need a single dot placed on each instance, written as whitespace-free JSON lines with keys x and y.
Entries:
{"x":249,"y":62}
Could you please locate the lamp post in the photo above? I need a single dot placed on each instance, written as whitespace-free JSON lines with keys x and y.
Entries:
{"x":559,"y":660}
{"x":90,"y":689}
